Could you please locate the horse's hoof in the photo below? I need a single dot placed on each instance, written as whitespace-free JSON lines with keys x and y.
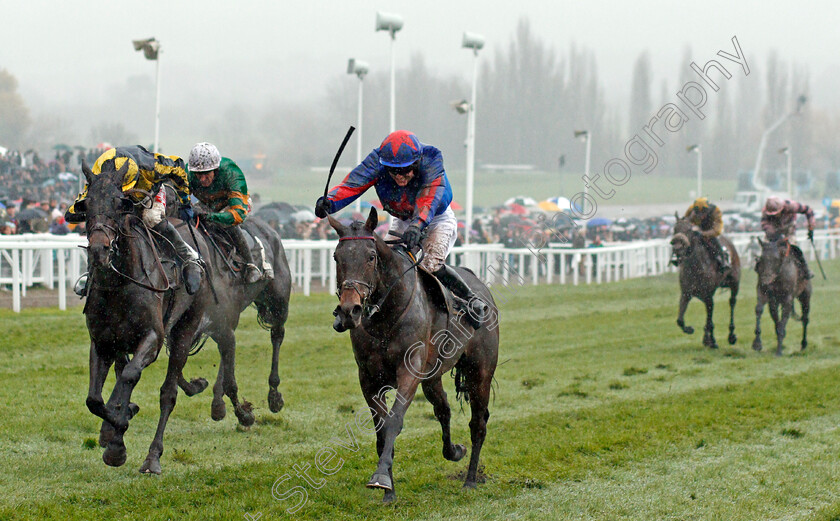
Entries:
{"x":757,"y":346}
{"x":217,"y":410}
{"x":382,"y":481}
{"x":713,"y":345}
{"x":455,"y":453}
{"x":114,"y":457}
{"x":688,"y":330}
{"x":106,"y":434}
{"x":804,"y":345}
{"x":275,"y":400}
{"x":150,"y":466}
{"x":133,"y":409}
{"x":244,"y":413}
{"x":389,"y":497}
{"x":197,"y":386}
{"x":471,"y":485}
{"x":732,"y":339}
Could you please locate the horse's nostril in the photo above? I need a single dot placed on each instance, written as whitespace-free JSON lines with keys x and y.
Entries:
{"x":356,"y":312}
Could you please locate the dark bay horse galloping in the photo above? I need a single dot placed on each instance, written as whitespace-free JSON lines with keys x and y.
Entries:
{"x":700,"y":278}
{"x":780,"y":281}
{"x":131,"y":310}
{"x":230,"y":297}
{"x":412,"y":340}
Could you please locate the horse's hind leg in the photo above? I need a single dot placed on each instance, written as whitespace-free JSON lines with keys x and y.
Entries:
{"x":275,"y":398}
{"x":780,"y":327}
{"x":709,"y":329}
{"x":227,"y":350}
{"x":192,"y":387}
{"x":479,"y":382}
{"x":433,"y":389}
{"x":217,"y":407}
{"x":805,"y":300}
{"x":684,"y":298}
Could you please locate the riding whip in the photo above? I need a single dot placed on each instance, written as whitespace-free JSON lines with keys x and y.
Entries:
{"x":817,"y":256}
{"x":338,"y":155}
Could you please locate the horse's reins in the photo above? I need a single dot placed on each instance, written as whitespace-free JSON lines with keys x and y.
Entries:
{"x":157,"y":263}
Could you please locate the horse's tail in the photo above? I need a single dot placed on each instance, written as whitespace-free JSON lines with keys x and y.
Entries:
{"x":462,"y":393}
{"x":793,"y":312}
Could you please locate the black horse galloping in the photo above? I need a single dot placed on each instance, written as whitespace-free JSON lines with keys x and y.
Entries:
{"x":131,"y":310}
{"x":410,"y":339}
{"x":780,"y":280}
{"x":700,"y":277}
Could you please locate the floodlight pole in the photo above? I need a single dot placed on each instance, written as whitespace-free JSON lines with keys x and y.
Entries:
{"x":786,"y":152}
{"x":474,"y":42}
{"x":800,"y":102}
{"x":157,"y":104}
{"x":393,"y":125}
{"x":360,"y":69}
{"x":587,"y":136}
{"x":699,"y":151}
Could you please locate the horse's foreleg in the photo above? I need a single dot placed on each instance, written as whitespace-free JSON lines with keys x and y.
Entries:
{"x":733,"y":298}
{"x":99,"y":367}
{"x":781,"y":323}
{"x":805,"y":300}
{"x":709,"y":329}
{"x":144,"y":355}
{"x":433,"y":389}
{"x":181,"y":341}
{"x":275,"y":398}
{"x":684,"y":298}
{"x":227,"y":350}
{"x":479,"y":382}
{"x":759,"y":309}
{"x":217,"y":407}
{"x":406,"y":388}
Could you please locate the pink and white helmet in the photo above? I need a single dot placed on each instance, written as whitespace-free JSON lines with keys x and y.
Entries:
{"x":773,"y":206}
{"x":204,"y":157}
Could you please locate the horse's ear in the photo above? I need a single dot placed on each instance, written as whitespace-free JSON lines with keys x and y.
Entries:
{"x":337,"y":226}
{"x":676,"y":215}
{"x":87,"y":171}
{"x":760,"y":242}
{"x":123,"y":169}
{"x":372,"y":220}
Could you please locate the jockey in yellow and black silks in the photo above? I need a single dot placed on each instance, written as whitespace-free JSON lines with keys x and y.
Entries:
{"x":147,"y":171}
{"x":709,"y":221}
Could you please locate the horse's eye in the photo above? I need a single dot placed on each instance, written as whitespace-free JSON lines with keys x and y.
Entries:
{"x":372,"y":257}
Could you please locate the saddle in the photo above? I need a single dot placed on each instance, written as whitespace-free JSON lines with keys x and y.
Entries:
{"x":227,"y":249}
{"x":441,"y":297}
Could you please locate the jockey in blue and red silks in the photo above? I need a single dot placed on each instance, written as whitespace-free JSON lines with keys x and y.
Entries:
{"x":411,"y":183}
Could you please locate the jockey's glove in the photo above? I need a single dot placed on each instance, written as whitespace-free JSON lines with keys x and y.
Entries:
{"x":322,"y":207}
{"x":186,"y":213}
{"x":810,"y":235}
{"x":411,"y":236}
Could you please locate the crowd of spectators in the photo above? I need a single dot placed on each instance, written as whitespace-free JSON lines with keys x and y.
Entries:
{"x":34,"y":193}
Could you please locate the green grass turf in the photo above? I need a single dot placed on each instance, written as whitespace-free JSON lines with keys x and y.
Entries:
{"x":493,"y":188}
{"x":603,"y":410}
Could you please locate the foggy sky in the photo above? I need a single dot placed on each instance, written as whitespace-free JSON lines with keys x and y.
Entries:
{"x":220,"y":52}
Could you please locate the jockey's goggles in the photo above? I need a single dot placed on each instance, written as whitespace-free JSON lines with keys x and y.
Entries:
{"x":402,"y":171}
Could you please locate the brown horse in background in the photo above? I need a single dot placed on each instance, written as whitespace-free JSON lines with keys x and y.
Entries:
{"x":700,"y":277}
{"x":780,"y":280}
{"x":408,"y":338}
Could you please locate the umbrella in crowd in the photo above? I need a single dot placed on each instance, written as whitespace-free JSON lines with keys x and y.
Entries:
{"x":521,"y":200}
{"x":303,"y":216}
{"x":517,"y":209}
{"x":548,"y":206}
{"x":67,"y":176}
{"x":599,"y":221}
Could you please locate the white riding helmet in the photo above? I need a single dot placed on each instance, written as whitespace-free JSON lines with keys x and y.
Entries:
{"x":204,"y":157}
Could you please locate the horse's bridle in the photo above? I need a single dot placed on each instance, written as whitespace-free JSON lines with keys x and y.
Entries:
{"x":355,"y":284}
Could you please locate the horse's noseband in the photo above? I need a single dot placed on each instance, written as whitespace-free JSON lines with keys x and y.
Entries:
{"x":353,"y":283}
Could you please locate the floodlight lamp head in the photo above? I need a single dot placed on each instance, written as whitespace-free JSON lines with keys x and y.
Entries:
{"x":461,"y":106}
{"x":472,"y":41}
{"x":581,"y":134}
{"x":693,"y":148}
{"x":149,"y":46}
{"x":388,"y":22}
{"x":800,"y":102}
{"x":358,"y":67}
{"x":785,"y":150}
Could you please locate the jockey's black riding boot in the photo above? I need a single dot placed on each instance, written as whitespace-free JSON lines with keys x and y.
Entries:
{"x":252,"y":273}
{"x":720,"y":256}
{"x":450,"y":278}
{"x":192,"y":270}
{"x":799,"y":255}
